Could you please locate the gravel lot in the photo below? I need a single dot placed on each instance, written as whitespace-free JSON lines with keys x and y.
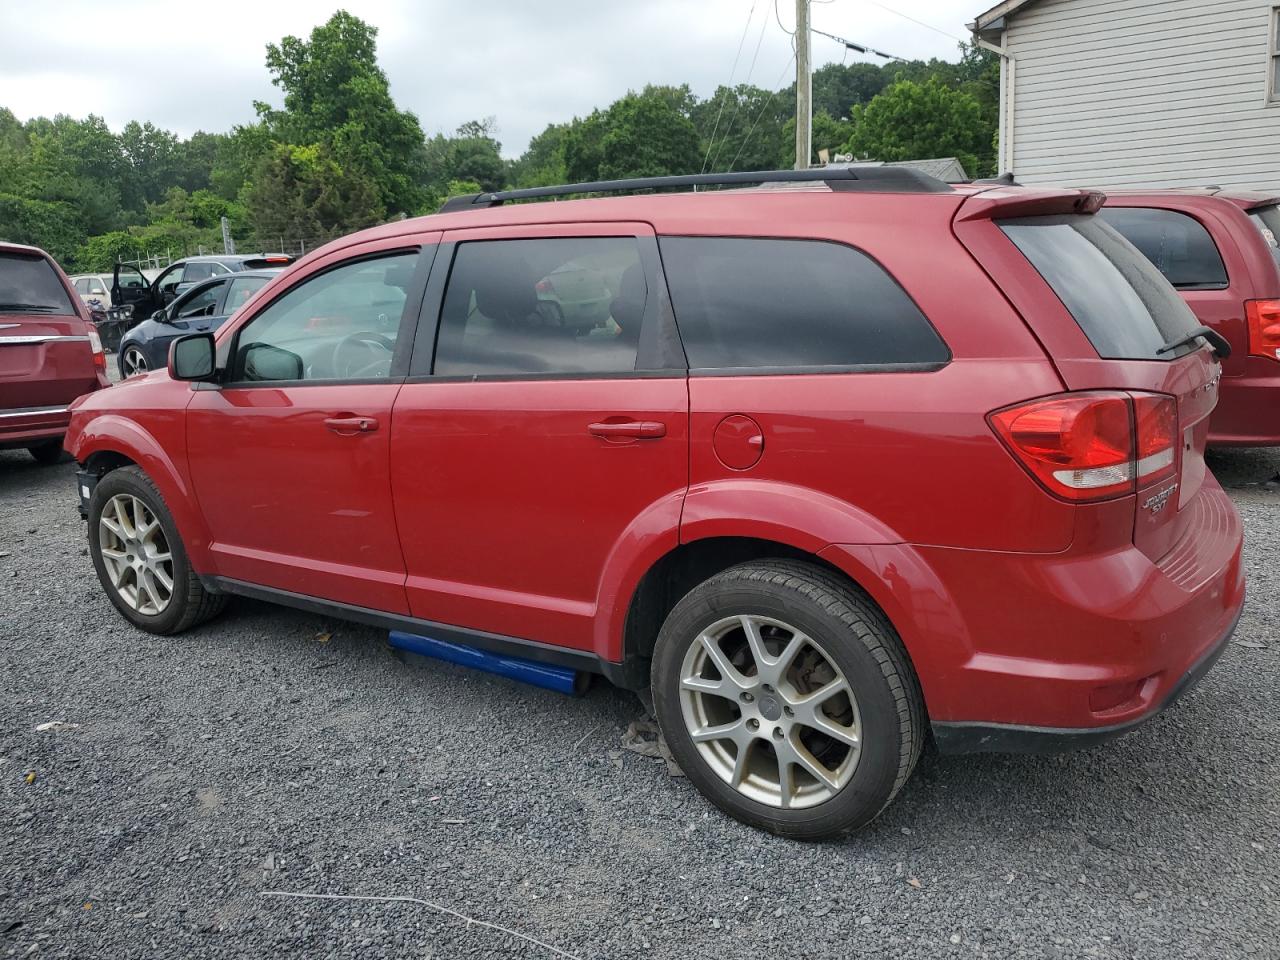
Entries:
{"x":278,"y":751}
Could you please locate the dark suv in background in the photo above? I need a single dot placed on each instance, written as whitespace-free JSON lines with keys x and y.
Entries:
{"x":1219,"y":249}
{"x":132,"y":293}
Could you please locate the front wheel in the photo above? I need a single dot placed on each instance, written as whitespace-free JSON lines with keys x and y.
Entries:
{"x":140,"y":559}
{"x":133,"y":361}
{"x":787,"y":699}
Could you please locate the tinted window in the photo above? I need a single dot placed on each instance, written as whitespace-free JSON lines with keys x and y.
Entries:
{"x":1177,"y":244}
{"x":340,"y":325}
{"x":1123,"y":304}
{"x":1267,"y":220}
{"x":201,"y":304}
{"x":168,"y":280}
{"x":791,"y":303}
{"x":565,"y":305}
{"x":242,"y":288}
{"x":30,"y":284}
{"x":197,"y":271}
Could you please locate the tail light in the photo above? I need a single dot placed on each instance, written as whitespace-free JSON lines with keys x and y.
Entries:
{"x":99,"y":355}
{"x":1264,"y":328}
{"x":543,"y":286}
{"x":1095,"y":445}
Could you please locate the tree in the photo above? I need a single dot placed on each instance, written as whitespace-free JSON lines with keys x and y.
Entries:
{"x":542,"y":164}
{"x":916,"y":121}
{"x":838,"y":88}
{"x":335,"y":94}
{"x":304,"y":193}
{"x":640,"y":135}
{"x":744,"y":128}
{"x":472,"y":155}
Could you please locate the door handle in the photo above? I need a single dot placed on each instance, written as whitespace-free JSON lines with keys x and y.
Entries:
{"x":350,"y":426}
{"x":628,"y":429}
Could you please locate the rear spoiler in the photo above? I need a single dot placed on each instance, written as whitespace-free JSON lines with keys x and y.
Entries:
{"x":1028,"y":202}
{"x":268,"y":260}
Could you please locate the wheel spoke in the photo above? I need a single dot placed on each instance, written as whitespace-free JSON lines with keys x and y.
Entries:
{"x":112,"y":554}
{"x":822,"y":694}
{"x":163,"y":579}
{"x":728,"y":672}
{"x":756,"y":643}
{"x":150,"y":590}
{"x":786,"y":783}
{"x":720,"y":731}
{"x":810,"y":763}
{"x":740,"y":763}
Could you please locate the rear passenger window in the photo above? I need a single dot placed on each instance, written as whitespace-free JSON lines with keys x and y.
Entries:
{"x":1177,"y":244}
{"x":565,"y":306}
{"x":791,"y":303}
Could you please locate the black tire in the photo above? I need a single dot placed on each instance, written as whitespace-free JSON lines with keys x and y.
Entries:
{"x":47,"y":453}
{"x":855,"y":635}
{"x":189,"y":603}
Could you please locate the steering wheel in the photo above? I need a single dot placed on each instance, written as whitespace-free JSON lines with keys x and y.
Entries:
{"x":361,"y":355}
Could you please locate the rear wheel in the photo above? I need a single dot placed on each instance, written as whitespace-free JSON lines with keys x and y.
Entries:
{"x":787,"y":699}
{"x":133,"y":361}
{"x":140,"y":559}
{"x":47,"y":453}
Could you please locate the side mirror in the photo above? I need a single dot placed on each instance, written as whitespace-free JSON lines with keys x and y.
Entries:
{"x":262,"y":361}
{"x":193,"y":358}
{"x":160,"y":316}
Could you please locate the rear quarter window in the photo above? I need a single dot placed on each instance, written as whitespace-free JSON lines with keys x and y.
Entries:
{"x":29,"y":284}
{"x":764,"y":303}
{"x":1267,"y":220}
{"x":1123,"y":304}
{"x":1179,"y":245}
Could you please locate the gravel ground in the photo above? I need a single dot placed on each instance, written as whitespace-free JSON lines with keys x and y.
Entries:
{"x":278,"y":751}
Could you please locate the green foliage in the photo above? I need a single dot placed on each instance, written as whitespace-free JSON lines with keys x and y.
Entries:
{"x":915,"y":121}
{"x":335,"y":94}
{"x":338,"y":154}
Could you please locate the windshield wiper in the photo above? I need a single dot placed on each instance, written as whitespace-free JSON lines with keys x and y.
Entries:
{"x":28,"y":307}
{"x":1221,"y":348}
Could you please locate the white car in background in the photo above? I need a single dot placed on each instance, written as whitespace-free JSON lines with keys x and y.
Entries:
{"x":93,"y":286}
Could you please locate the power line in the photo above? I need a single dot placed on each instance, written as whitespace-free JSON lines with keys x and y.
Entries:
{"x":778,"y":17}
{"x":747,"y":138}
{"x":732,"y":70}
{"x":737,"y":105}
{"x":859,"y":47}
{"x":921,"y":23}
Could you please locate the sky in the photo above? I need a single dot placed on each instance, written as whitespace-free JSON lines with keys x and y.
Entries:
{"x":188,"y":67}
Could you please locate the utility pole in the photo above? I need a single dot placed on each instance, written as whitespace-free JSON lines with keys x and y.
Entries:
{"x":804,"y":88}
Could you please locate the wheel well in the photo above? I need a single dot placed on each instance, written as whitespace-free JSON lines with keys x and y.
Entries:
{"x":679,"y":571}
{"x":104,"y":461}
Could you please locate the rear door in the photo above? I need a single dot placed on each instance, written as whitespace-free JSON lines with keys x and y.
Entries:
{"x":1105,"y":316}
{"x":542,"y":434}
{"x":46,"y":358}
{"x":130,"y":288}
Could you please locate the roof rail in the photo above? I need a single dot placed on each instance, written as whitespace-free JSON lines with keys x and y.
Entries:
{"x":869,"y":179}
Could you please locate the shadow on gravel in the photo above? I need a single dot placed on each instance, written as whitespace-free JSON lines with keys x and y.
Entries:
{"x":1244,"y":466}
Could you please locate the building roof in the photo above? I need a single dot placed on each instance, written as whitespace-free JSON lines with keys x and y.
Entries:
{"x":990,"y":25}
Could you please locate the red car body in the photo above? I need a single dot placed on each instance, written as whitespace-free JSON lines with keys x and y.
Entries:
{"x":49,"y":353}
{"x":1244,"y":307}
{"x":502,"y":511}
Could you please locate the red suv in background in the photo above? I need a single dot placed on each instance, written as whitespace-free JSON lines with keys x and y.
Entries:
{"x":1219,"y":250}
{"x":820,"y":491}
{"x":49,"y":352}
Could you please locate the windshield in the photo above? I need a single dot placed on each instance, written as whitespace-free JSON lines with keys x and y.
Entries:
{"x":28,"y":284}
{"x":1267,"y":220}
{"x":1122,"y":303}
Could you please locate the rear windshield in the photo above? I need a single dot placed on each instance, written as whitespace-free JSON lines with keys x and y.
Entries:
{"x":1267,"y":220}
{"x":30,"y":285}
{"x":1122,"y":303}
{"x":1176,"y":243}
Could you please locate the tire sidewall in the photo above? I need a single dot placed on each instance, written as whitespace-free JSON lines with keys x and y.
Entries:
{"x":131,"y":481}
{"x":872,"y":783}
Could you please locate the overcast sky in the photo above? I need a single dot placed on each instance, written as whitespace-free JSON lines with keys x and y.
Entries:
{"x":189,"y":67}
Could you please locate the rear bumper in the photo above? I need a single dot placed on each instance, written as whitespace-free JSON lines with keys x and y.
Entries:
{"x":1248,"y":410}
{"x":31,"y":425}
{"x":954,"y":738}
{"x":1045,"y":651}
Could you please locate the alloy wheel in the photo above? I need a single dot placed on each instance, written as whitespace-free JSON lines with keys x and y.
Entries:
{"x":770,"y":712}
{"x":136,"y":554}
{"x":134,"y":362}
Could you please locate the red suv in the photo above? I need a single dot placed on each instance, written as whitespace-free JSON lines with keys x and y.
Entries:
{"x":49,"y":352}
{"x":1219,"y":250}
{"x":839,"y":464}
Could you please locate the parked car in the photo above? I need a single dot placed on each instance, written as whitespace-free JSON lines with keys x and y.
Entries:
{"x":140,"y":297}
{"x":860,"y":461}
{"x":49,"y":352}
{"x":202,"y":308}
{"x":93,"y":286}
{"x":1218,"y":249}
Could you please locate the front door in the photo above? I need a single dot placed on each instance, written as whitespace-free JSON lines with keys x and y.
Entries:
{"x":289,"y":455}
{"x":548,"y":435}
